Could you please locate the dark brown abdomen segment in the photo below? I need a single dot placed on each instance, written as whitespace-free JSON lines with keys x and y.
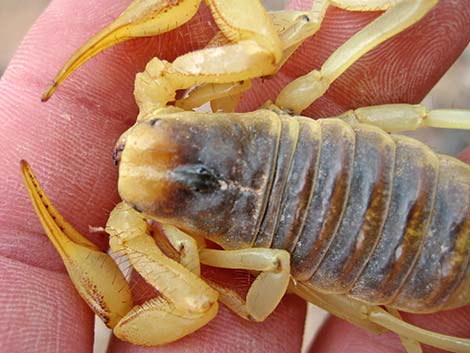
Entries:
{"x":297,"y":194}
{"x":441,"y":273}
{"x":285,"y":157}
{"x":409,"y":215}
{"x":328,"y":199}
{"x":365,"y":214}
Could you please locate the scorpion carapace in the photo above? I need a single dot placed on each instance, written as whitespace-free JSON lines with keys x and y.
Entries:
{"x":207,"y":175}
{"x":380,"y":218}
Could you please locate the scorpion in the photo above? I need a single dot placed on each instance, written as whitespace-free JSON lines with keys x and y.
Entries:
{"x":338,"y":211}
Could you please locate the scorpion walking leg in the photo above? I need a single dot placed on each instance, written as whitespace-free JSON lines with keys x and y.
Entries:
{"x":305,"y":90}
{"x":377,"y":320}
{"x":410,"y":345}
{"x":223,"y":96}
{"x":406,"y":117}
{"x":254,"y":50}
{"x":186,"y":303}
{"x":293,"y":28}
{"x":187,"y":247}
{"x":94,"y":274}
{"x":338,"y":305}
{"x":404,"y":329}
{"x":269,"y":287}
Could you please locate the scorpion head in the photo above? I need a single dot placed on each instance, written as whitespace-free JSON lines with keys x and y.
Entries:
{"x":207,"y":175}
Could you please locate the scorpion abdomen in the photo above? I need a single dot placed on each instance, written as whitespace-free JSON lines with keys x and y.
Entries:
{"x":379,"y":218}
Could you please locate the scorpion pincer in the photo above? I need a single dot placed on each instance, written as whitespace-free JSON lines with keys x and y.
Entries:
{"x":338,"y":211}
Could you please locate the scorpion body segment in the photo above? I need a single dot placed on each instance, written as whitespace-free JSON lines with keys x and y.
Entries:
{"x":380,"y":218}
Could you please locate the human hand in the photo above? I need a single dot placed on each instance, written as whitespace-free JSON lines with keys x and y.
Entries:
{"x":70,"y":141}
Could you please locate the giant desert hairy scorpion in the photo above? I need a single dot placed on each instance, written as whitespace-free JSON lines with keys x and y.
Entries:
{"x":338,"y":211}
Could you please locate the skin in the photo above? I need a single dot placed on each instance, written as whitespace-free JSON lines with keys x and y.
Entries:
{"x":69,"y":142}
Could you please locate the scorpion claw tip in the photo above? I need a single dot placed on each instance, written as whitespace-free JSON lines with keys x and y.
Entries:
{"x":23,"y":164}
{"x":49,"y":92}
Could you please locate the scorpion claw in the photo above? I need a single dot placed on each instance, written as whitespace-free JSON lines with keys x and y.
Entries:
{"x":143,"y":18}
{"x":89,"y":268}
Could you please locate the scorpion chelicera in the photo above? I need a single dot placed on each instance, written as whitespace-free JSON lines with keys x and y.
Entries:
{"x":338,"y":211}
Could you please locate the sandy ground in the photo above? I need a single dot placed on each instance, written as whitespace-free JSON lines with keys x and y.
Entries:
{"x":16,"y":16}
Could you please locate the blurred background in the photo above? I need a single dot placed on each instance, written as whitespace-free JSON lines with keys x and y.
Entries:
{"x":16,"y":16}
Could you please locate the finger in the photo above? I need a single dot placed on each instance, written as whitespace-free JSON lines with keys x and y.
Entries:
{"x":41,"y":312}
{"x":401,"y":70}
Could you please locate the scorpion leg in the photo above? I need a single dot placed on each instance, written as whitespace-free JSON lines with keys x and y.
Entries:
{"x":377,"y":320}
{"x":410,"y":345}
{"x":187,"y":247}
{"x":143,"y":18}
{"x":223,"y":96}
{"x":268,"y":288}
{"x":406,"y":117}
{"x":403,"y":329}
{"x":254,"y":50}
{"x":292,"y":27}
{"x":338,"y":305}
{"x":94,"y":274}
{"x":305,"y":90}
{"x":186,"y":303}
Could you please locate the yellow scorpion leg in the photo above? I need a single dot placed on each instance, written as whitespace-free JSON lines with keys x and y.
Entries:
{"x":399,"y":15}
{"x":410,"y":345}
{"x":292,"y":27}
{"x":266,"y":291}
{"x":186,"y":246}
{"x":143,"y":18}
{"x":186,"y":304}
{"x":378,"y":320}
{"x":254,"y":50}
{"x":223,"y":96}
{"x":408,"y":117}
{"x":94,"y":274}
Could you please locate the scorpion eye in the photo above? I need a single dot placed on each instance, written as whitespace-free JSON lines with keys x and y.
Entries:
{"x":196,"y":177}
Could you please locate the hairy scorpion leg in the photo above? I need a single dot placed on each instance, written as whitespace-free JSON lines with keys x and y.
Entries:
{"x":408,"y":117}
{"x":410,"y":345}
{"x":269,"y":286}
{"x":186,"y":304}
{"x":254,"y":50}
{"x":377,"y":320}
{"x":266,"y":291}
{"x":399,"y":15}
{"x":292,"y":27}
{"x":187,"y":247}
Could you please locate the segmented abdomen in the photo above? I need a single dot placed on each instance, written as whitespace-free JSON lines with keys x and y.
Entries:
{"x":380,"y":218}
